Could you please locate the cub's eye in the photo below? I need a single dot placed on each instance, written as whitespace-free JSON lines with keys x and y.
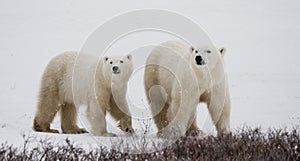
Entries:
{"x":196,"y":51}
{"x":121,"y":61}
{"x":110,"y":62}
{"x":208,"y":51}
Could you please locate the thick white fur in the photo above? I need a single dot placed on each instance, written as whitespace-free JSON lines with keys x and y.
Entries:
{"x":183,"y":84}
{"x":90,"y":82}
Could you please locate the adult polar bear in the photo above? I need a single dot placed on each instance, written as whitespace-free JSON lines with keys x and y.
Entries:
{"x":99,"y":85}
{"x":178,"y":77}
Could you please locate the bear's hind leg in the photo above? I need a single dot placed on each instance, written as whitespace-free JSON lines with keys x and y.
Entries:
{"x":161,"y":120}
{"x":159,"y":105}
{"x":69,"y":120}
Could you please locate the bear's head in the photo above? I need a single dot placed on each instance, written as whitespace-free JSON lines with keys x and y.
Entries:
{"x":117,"y":68}
{"x":206,"y":55}
{"x":207,"y":62}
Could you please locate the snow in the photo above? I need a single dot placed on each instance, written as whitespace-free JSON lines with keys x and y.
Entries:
{"x":262,"y":59}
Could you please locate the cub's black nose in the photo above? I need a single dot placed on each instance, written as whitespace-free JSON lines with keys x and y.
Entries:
{"x":199,"y":60}
{"x":115,"y":69}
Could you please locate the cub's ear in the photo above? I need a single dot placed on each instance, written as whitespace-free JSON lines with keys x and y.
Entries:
{"x":105,"y":58}
{"x":192,"y":49}
{"x":129,"y":57}
{"x":222,"y":50}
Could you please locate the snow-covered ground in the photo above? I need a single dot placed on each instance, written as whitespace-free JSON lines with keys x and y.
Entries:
{"x":262,"y":59}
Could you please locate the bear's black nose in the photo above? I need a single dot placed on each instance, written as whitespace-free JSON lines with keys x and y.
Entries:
{"x":115,"y":68}
{"x":199,"y":60}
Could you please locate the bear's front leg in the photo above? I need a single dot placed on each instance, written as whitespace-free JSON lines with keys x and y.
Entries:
{"x":223,"y":124}
{"x":96,"y":116}
{"x":194,"y":129}
{"x":182,"y":112}
{"x":219,"y":108}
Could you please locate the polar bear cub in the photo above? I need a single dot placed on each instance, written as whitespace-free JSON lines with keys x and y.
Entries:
{"x":178,"y":77}
{"x":74,"y":79}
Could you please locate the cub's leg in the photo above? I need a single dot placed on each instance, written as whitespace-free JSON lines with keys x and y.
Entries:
{"x":96,"y":117}
{"x":125,"y":120}
{"x":69,"y":120}
{"x":47,"y":107}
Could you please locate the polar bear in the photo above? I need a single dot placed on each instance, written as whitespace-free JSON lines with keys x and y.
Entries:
{"x":101,"y":85}
{"x":177,"y":78}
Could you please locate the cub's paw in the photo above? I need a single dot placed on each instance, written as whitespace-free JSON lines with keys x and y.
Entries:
{"x":129,"y":130}
{"x":75,"y":131}
{"x":52,"y":131}
{"x":47,"y":130}
{"x":109,"y":134}
{"x":81,"y":131}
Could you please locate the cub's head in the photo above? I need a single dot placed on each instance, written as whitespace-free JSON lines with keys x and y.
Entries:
{"x":117,"y":67}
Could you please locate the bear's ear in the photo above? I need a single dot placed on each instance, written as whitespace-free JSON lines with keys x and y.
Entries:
{"x":192,"y":49}
{"x":222,"y":51}
{"x":129,"y":57}
{"x":105,"y":58}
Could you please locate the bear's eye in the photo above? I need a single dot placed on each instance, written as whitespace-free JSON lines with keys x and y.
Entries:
{"x":208,"y":51}
{"x":121,"y":61}
{"x":196,"y":51}
{"x":110,"y":62}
